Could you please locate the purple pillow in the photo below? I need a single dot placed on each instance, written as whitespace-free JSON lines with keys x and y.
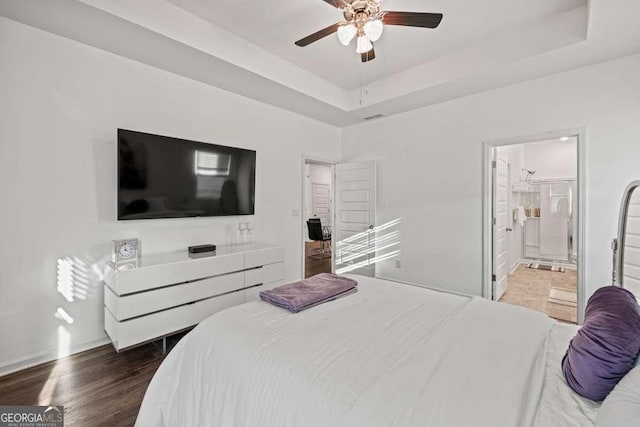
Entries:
{"x":607,"y":345}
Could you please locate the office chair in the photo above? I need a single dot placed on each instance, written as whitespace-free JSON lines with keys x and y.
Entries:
{"x":318,"y":233}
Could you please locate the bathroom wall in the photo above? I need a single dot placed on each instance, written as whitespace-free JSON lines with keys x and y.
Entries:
{"x":552,"y":159}
{"x":555,"y":159}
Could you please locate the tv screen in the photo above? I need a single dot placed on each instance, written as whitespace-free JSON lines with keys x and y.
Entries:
{"x":163,"y":177}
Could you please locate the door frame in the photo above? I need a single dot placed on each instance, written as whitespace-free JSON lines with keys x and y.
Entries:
{"x":487,"y":206}
{"x":306,"y":159}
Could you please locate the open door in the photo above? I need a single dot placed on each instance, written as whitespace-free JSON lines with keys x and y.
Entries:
{"x":321,"y":202}
{"x":354,"y":233}
{"x":500,"y":221}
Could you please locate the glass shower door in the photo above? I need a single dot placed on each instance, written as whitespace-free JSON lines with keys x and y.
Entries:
{"x":555,"y":215}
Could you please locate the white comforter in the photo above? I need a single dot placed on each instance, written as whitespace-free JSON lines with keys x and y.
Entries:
{"x":390,"y":355}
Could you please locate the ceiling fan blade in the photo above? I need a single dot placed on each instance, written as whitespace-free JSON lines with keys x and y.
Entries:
{"x":413,"y":19}
{"x":340,"y":4}
{"x":317,"y":36}
{"x":368,"y":56}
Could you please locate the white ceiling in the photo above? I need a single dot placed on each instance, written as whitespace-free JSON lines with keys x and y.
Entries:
{"x":247,"y":47}
{"x":275,"y":25}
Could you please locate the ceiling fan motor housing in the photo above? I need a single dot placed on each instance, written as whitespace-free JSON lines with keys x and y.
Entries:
{"x":361,"y":10}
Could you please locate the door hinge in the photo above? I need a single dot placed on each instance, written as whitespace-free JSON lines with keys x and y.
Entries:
{"x":493,"y":278}
{"x":494,"y":164}
{"x":495,"y":222}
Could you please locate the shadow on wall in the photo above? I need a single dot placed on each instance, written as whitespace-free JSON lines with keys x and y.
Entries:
{"x":368,"y":248}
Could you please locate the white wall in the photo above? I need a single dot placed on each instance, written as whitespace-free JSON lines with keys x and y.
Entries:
{"x":61,"y":105}
{"x":552,"y":159}
{"x":430,"y":166}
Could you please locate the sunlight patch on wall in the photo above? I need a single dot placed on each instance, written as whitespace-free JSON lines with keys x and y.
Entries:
{"x":365,"y":249}
{"x":367,"y":263}
{"x":65,"y":278}
{"x":75,"y":276}
{"x":63,"y":315}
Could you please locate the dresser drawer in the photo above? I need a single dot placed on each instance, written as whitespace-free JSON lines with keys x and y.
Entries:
{"x":146,"y":328}
{"x":263,"y":257}
{"x":267,"y":274}
{"x":128,"y":306}
{"x":155,"y":276}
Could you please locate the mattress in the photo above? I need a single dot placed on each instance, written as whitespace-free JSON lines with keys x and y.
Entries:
{"x":390,"y":354}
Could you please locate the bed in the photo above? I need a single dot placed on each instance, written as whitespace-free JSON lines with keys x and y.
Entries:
{"x":390,"y":354}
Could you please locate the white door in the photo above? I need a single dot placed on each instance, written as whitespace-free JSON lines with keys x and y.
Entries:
{"x":354,"y":230}
{"x":500,"y":221}
{"x":321,"y":203}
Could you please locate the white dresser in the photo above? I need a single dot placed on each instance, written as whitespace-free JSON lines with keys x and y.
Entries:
{"x":173,"y":291}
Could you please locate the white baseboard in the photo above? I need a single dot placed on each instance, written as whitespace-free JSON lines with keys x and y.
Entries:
{"x":516,"y":265}
{"x":48,"y":356}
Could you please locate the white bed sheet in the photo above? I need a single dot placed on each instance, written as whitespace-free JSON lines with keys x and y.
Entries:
{"x":389,"y":355}
{"x":559,"y":405}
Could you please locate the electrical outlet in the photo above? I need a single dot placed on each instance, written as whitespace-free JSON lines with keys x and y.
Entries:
{"x":398,"y":263}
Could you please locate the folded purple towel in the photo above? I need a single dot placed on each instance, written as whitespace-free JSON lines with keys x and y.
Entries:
{"x":309,"y":292}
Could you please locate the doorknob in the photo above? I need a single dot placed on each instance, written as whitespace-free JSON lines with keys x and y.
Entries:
{"x":509,"y":229}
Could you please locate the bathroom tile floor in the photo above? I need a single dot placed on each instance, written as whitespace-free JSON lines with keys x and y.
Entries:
{"x":531,"y":288}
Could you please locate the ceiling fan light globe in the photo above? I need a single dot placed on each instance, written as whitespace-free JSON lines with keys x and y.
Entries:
{"x":363,"y":45}
{"x":373,"y":29}
{"x":346,"y":33}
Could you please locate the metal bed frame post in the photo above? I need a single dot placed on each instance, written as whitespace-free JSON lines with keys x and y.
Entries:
{"x":618,"y":244}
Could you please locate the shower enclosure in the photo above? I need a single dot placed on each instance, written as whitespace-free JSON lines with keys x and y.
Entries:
{"x":549,"y":230}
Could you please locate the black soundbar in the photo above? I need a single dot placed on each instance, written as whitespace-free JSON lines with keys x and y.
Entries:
{"x":201,"y":248}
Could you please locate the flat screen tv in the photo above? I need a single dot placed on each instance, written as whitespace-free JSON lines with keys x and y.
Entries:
{"x":164,"y":177}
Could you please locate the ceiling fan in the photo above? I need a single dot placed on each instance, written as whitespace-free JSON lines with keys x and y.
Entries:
{"x":365,"y":21}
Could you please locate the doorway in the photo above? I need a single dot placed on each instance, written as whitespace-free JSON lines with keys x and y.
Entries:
{"x":318,"y":218}
{"x":347,"y":242}
{"x":533,"y":231}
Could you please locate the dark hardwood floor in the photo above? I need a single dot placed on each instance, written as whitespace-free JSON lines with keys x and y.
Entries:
{"x":313,"y":266}
{"x":98,"y":387}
